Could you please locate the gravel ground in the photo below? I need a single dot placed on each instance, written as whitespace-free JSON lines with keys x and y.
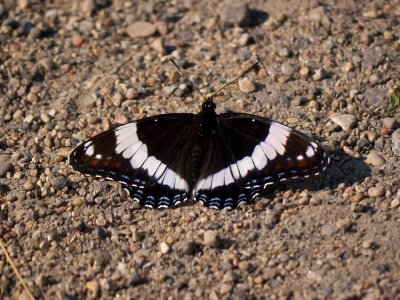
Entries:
{"x":71,"y":70}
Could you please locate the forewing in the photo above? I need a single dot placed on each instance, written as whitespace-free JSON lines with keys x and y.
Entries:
{"x":151,"y":157}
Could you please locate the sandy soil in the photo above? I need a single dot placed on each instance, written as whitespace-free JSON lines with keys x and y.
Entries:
{"x":69,"y":70}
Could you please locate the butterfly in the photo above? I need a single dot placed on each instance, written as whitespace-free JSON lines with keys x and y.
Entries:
{"x":221,"y":160}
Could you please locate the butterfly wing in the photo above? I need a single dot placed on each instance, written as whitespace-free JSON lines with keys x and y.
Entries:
{"x":256,"y":152}
{"x":150,"y":157}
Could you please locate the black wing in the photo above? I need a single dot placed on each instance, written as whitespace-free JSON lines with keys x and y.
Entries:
{"x":251,"y":152}
{"x":150,"y":157}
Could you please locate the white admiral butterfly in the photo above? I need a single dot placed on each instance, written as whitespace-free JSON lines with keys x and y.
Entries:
{"x":224,"y":160}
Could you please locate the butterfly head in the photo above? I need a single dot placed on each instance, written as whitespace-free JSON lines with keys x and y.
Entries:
{"x":208,"y":104}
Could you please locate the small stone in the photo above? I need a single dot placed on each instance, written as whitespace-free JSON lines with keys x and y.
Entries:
{"x":320,"y":74}
{"x":235,"y":13}
{"x":164,"y":248}
{"x":288,"y":69}
{"x":158,"y":45}
{"x":132,"y":94}
{"x":135,"y":279}
{"x":93,"y":287}
{"x":58,"y":181}
{"x":86,"y":26}
{"x":101,"y":221}
{"x":18,"y":114}
{"x":376,"y":191}
{"x":395,"y":203}
{"x":41,"y":280}
{"x":5,"y":165}
{"x":388,"y":35}
{"x":225,"y":288}
{"x":28,"y":185}
{"x":47,"y":63}
{"x":374,"y":79}
{"x":77,"y":40}
{"x":141,"y":29}
{"x":78,"y":201}
{"x":45,"y":117}
{"x":317,"y":13}
{"x":372,"y":14}
{"x":244,"y":265}
{"x":366,"y":244}
{"x":304,"y":72}
{"x":345,"y":121}
{"x":366,"y":38}
{"x":211,"y":238}
{"x":348,"y":67}
{"x":244,"y":39}
{"x":374,"y":159}
{"x":28,"y":119}
{"x":396,"y":142}
{"x":283,"y":52}
{"x":169,"y":90}
{"x":86,"y":7}
{"x":246,"y":85}
{"x":23,"y":4}
{"x":189,"y":247}
{"x":261,"y":204}
{"x":389,"y":123}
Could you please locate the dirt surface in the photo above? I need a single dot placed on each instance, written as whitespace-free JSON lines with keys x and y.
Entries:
{"x":69,"y":70}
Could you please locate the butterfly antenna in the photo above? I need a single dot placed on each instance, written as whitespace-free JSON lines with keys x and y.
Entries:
{"x":184,"y":75}
{"x":232,"y":81}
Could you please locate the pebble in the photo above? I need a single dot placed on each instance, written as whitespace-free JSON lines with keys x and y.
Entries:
{"x":211,"y":238}
{"x":47,"y":63}
{"x":28,"y":185}
{"x":374,"y":159}
{"x":396,"y":142}
{"x":376,"y":191}
{"x":58,"y":181}
{"x":45,"y":117}
{"x":132,"y":93}
{"x":389,"y":123}
{"x":395,"y":203}
{"x":304,"y":72}
{"x":225,"y":288}
{"x":388,"y":35}
{"x":374,"y":97}
{"x":101,"y":221}
{"x":244,"y":39}
{"x":77,"y":40}
{"x":287,"y":69}
{"x":5,"y":165}
{"x":87,"y":7}
{"x":93,"y":287}
{"x":164,"y":248}
{"x":235,"y":13}
{"x":374,"y":79}
{"x":283,"y":52}
{"x":345,"y":121}
{"x":158,"y":45}
{"x":246,"y":85}
{"x":169,"y":90}
{"x":320,"y":74}
{"x":348,"y":67}
{"x":141,"y":29}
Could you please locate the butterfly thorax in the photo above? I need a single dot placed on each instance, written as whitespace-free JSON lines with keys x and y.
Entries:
{"x":206,"y":119}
